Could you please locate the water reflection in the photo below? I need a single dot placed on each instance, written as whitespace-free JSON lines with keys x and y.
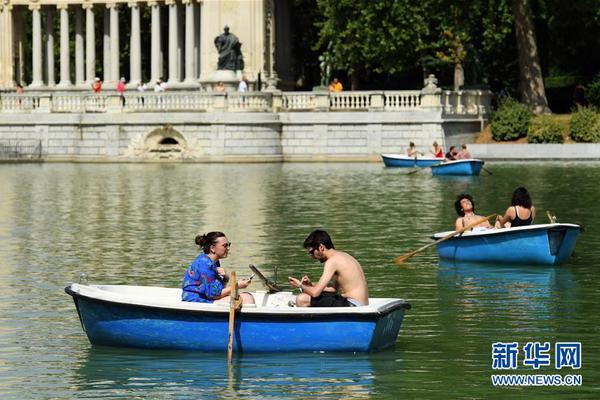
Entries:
{"x":523,"y":297}
{"x":103,"y":369}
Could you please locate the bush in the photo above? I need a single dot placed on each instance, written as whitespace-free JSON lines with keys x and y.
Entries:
{"x":510,"y":121}
{"x":593,"y":92}
{"x":585,"y":125}
{"x":544,"y":130}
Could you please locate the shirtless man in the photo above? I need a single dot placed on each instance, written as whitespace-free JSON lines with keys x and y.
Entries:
{"x":340,"y":268}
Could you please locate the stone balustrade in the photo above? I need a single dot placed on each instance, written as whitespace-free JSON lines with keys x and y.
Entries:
{"x":466,"y":103}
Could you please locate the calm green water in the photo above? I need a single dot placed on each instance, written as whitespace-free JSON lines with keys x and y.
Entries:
{"x":135,"y":224}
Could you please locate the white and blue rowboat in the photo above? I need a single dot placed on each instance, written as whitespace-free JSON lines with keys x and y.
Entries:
{"x":469,"y":166}
{"x":155,"y":317}
{"x":399,"y":160}
{"x":544,"y":244}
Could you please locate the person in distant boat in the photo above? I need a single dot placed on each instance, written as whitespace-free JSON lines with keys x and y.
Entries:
{"x":465,"y":208}
{"x":205,"y":280}
{"x":340,"y":271}
{"x":437,"y":150}
{"x":520,"y":213}
{"x":451,"y":154}
{"x":411,"y":151}
{"x":463,"y":154}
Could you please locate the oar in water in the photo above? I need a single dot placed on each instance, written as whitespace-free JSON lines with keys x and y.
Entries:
{"x":400,"y":259}
{"x":487,"y":170}
{"x":233,"y":306}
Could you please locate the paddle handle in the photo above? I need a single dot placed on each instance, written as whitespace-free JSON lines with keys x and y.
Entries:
{"x":233,"y":302}
{"x":400,"y":259}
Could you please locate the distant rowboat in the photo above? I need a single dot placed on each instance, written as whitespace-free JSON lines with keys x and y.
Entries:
{"x":544,"y":244}
{"x":470,"y":166}
{"x":155,"y":317}
{"x":402,"y":161}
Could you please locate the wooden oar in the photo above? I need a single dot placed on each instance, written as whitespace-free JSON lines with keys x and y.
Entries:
{"x":400,"y":259}
{"x":551,"y":218}
{"x":233,"y":305}
{"x":487,"y":170}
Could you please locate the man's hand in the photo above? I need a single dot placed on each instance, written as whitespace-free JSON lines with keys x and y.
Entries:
{"x":306,"y":281}
{"x":294,"y":282}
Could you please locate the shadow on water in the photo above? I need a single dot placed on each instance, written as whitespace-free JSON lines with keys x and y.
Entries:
{"x":101,"y":369}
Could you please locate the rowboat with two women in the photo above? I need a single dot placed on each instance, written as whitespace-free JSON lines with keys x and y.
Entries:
{"x":541,"y":244}
{"x":156,"y":317}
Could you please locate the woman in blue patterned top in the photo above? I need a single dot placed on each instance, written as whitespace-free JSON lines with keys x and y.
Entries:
{"x":205,"y":280}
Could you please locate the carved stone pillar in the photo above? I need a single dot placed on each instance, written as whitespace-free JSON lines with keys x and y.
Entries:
{"x":135,"y":49}
{"x":36,"y":46}
{"x":173,"y":42}
{"x":79,"y":47}
{"x":65,"y":68}
{"x":6,"y":47}
{"x":189,"y":41}
{"x":155,"y":65}
{"x":90,"y":44}
{"x":50,"y":46}
{"x":114,"y":42}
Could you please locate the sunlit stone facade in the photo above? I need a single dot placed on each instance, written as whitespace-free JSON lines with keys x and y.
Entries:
{"x":182,"y":45}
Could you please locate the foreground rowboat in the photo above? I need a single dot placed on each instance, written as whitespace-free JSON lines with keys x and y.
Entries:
{"x":399,"y":160}
{"x":470,"y":166}
{"x":155,"y":317}
{"x":544,"y":244}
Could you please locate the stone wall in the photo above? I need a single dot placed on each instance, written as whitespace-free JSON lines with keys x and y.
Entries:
{"x":221,"y":137}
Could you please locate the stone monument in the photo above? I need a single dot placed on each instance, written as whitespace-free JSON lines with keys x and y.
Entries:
{"x":231,"y":61}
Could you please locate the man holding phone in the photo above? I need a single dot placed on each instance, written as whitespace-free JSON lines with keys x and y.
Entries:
{"x":340,"y":271}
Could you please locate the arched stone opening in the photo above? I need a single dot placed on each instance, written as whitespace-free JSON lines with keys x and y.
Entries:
{"x":165,"y":143}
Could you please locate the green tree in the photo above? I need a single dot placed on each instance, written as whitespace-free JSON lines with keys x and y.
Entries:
{"x":373,"y":35}
{"x":531,"y":81}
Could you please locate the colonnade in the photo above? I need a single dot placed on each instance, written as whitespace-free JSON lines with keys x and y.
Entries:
{"x":183,"y":47}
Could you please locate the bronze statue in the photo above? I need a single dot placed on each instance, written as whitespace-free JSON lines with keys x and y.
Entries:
{"x":230,"y":51}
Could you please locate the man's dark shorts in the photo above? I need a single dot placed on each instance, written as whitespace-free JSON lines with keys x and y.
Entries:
{"x":329,"y":300}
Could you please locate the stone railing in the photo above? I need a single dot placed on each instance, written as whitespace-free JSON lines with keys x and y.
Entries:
{"x":469,"y":103}
{"x":466,"y":102}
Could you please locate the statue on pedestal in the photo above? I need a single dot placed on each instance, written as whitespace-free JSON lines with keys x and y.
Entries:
{"x":230,"y":51}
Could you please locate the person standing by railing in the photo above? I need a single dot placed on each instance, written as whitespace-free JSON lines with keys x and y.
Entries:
{"x":97,"y":85}
{"x":243,"y":85}
{"x":336,"y":86}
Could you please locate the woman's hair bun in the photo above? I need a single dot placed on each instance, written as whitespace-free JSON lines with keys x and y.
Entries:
{"x":201,"y":240}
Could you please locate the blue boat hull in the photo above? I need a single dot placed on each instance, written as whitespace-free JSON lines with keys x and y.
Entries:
{"x":550,"y":244}
{"x":124,"y":325}
{"x":409,"y":162}
{"x":462,"y":167}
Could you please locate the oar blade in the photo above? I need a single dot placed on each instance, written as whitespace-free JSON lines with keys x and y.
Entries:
{"x":401,"y":259}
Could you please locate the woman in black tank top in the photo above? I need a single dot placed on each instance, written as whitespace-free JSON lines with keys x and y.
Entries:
{"x":520,"y":213}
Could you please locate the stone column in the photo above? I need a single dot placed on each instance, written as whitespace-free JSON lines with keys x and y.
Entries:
{"x":79,"y":46}
{"x":6,"y":47}
{"x":65,"y":71}
{"x":90,"y":44}
{"x":50,"y":46}
{"x":155,"y":72}
{"x":173,"y":34}
{"x":180,"y":42}
{"x":135,"y":48}
{"x":106,"y":46}
{"x":36,"y":46}
{"x":189,"y":41}
{"x":114,"y":42}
